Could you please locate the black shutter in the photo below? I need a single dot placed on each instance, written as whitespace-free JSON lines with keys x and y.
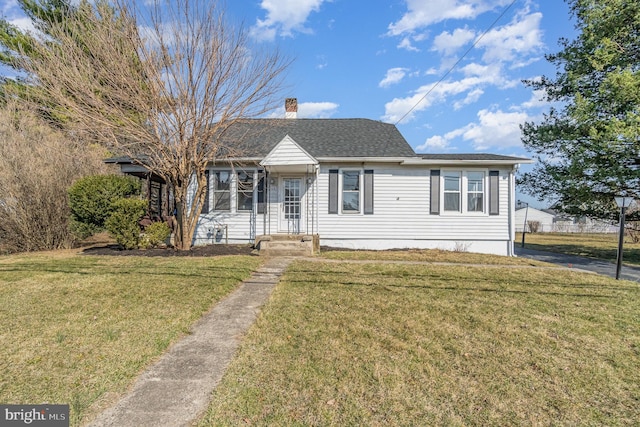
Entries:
{"x":494,"y":192}
{"x":333,"y":191}
{"x":205,"y":203}
{"x":434,"y":192}
{"x":368,"y":192}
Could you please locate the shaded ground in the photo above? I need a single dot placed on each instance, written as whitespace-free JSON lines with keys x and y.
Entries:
{"x":203,"y":251}
{"x":595,"y":265}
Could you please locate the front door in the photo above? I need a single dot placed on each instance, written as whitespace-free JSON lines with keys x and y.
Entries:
{"x":290,"y":220}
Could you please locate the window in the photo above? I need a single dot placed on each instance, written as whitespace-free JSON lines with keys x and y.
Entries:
{"x":452,"y":191}
{"x":245,"y":191}
{"x":350,"y":191}
{"x":475,"y":191}
{"x":464,"y":192}
{"x":352,"y":187}
{"x":221,"y":191}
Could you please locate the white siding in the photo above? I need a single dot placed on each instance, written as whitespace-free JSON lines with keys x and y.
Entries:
{"x":401,"y":216}
{"x":287,"y":152}
{"x":236,"y":226}
{"x":545,"y":219}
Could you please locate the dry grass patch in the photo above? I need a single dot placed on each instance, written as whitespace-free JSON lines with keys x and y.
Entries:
{"x":382,"y":344}
{"x":78,"y":329}
{"x":428,"y":256}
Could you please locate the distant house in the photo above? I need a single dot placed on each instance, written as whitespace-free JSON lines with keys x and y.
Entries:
{"x":354,"y":183}
{"x":549,"y":221}
{"x":525,"y":216}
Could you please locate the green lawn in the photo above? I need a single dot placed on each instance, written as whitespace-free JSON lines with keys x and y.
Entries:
{"x":602,"y":246}
{"x":403,"y":344}
{"x":78,"y":329}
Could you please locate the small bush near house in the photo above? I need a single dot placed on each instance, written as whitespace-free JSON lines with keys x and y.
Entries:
{"x":534,"y":226}
{"x":92,"y":199}
{"x":155,"y":234}
{"x":123,"y":222}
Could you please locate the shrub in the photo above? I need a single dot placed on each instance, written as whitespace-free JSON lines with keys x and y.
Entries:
{"x":92,"y":198}
{"x":37,"y":165}
{"x":81,"y":230}
{"x":155,"y":234}
{"x":534,"y":226}
{"x":123,"y":222}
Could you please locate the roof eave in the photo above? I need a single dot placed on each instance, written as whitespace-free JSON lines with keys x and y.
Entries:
{"x":418,"y":162}
{"x":362,"y":159}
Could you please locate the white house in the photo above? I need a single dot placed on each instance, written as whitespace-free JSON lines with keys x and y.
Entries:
{"x":356,"y":183}
{"x":526,"y":216}
{"x":548,"y":221}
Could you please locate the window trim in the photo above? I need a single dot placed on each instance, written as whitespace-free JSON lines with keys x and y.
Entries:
{"x":215,"y":191}
{"x":459,"y":176}
{"x":342,"y":191}
{"x":251,"y":174}
{"x":483,"y":183}
{"x":366,"y":191}
{"x":464,"y":192}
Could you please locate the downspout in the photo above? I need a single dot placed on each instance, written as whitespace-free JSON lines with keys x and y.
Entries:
{"x":512,"y":208}
{"x":265,"y":188}
{"x":267,"y":214}
{"x":317,"y":200}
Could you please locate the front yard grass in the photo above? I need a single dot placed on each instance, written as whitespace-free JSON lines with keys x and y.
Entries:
{"x":602,"y":246}
{"x":402,"y":344}
{"x":427,"y":255}
{"x":78,"y":329}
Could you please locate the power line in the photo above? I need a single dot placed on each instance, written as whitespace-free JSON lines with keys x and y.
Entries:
{"x":458,"y":61}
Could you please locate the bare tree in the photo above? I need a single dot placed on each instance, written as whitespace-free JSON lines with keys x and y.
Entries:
{"x":37,"y":165}
{"x":160,"y":84}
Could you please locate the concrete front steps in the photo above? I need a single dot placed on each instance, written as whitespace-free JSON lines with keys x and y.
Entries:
{"x":288,"y":244}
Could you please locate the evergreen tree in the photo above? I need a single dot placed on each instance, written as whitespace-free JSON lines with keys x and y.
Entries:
{"x":588,"y":148}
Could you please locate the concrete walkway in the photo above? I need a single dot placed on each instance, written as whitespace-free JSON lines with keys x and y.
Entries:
{"x":177,"y":389}
{"x":583,"y":263}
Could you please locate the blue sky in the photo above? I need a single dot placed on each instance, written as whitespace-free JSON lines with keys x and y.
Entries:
{"x":383,"y":60}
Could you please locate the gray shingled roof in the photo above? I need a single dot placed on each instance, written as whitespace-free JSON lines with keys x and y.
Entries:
{"x":322,"y":138}
{"x":473,"y":156}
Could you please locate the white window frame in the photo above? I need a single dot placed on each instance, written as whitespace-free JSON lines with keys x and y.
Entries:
{"x":483,"y":190}
{"x":252,"y":174}
{"x":341,"y":191}
{"x":464,"y":192}
{"x":214,"y":191}
{"x":457,"y":175}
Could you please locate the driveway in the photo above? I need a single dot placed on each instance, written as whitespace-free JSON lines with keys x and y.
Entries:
{"x":591,"y":264}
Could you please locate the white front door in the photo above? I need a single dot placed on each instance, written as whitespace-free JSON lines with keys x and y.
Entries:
{"x":291,"y":213}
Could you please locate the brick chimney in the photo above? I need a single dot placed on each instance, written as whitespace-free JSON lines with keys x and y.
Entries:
{"x":291,"y":108}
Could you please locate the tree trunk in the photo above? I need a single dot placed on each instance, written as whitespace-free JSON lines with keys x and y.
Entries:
{"x":187,"y":214}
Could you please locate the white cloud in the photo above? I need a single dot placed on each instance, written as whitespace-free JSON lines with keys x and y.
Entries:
{"x":427,"y":95}
{"x":537,"y":100}
{"x":317,"y":110}
{"x":406,"y":44}
{"x":284,"y":17}
{"x":393,"y":76}
{"x":495,"y":129}
{"x":310,"y":110}
{"x":447,"y":43}
{"x":12,"y":13}
{"x":435,"y":143}
{"x":422,"y":13}
{"x":25,"y":24}
{"x":519,"y":38}
{"x":471,"y":97}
